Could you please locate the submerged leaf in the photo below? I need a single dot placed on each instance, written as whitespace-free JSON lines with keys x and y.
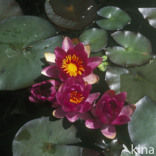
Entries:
{"x":9,"y":8}
{"x":71,"y":14}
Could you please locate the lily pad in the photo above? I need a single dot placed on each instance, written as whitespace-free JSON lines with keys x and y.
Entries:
{"x":137,"y":82}
{"x":142,"y":127}
{"x":9,"y":8}
{"x":115,"y":18}
{"x":149,"y":14}
{"x":135,"y":49}
{"x":71,"y":14}
{"x":20,"y":68}
{"x":124,"y":153}
{"x":113,"y":77}
{"x":40,"y":137}
{"x":96,"y":38}
{"x":21,"y":50}
{"x":19,"y":31}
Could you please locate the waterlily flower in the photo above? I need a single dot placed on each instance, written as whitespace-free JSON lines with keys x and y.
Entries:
{"x":74,"y":99}
{"x":71,"y":61}
{"x":109,"y":112}
{"x":44,"y":91}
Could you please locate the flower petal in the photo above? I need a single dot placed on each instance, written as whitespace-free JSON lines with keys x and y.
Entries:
{"x":91,"y":78}
{"x":128,"y":110}
{"x":92,"y":124}
{"x":92,"y":97}
{"x":50,"y":57}
{"x":121,"y":119}
{"x":58,"y":113}
{"x":67,"y":44}
{"x":109,"y":131}
{"x":121,"y":97}
{"x":72,"y":117}
{"x":51,"y":71}
{"x":79,"y":48}
{"x":33,"y":99}
{"x":93,"y":62}
{"x":60,"y":54}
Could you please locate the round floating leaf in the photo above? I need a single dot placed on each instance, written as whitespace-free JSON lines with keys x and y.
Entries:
{"x":113,"y":77}
{"x":9,"y":8}
{"x":140,"y":82}
{"x":71,"y":14}
{"x":137,"y":82}
{"x":19,"y":31}
{"x":115,"y":18}
{"x":40,"y":137}
{"x":127,"y":153}
{"x":96,"y":38}
{"x":142,"y":127}
{"x":150,"y":14}
{"x":135,"y":50}
{"x":20,"y":67}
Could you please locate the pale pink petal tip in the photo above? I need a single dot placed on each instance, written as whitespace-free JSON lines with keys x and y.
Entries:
{"x":67,"y":44}
{"x":91,"y":124}
{"x":128,"y":110}
{"x":109,"y":131}
{"x":50,"y":71}
{"x":72,"y":117}
{"x":91,"y":78}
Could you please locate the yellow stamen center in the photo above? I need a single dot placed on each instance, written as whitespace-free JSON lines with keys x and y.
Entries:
{"x":72,"y":65}
{"x":76,"y":97}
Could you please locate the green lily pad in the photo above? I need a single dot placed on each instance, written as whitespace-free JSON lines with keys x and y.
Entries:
{"x":135,"y":49}
{"x":19,"y":68}
{"x":21,"y":50}
{"x":40,"y":137}
{"x":19,"y":31}
{"x":96,"y":38}
{"x":115,"y":18}
{"x":127,"y":153}
{"x":142,"y":127}
{"x":149,"y":14}
{"x":137,"y":82}
{"x":9,"y":8}
{"x":113,"y":77}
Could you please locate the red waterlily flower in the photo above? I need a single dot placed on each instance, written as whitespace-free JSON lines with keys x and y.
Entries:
{"x":43,"y":91}
{"x":110,"y":111}
{"x":72,"y":61}
{"x":74,"y":99}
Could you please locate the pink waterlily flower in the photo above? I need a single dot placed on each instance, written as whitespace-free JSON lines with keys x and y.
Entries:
{"x":74,"y":99}
{"x":109,"y":112}
{"x":72,"y":61}
{"x":44,"y":91}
